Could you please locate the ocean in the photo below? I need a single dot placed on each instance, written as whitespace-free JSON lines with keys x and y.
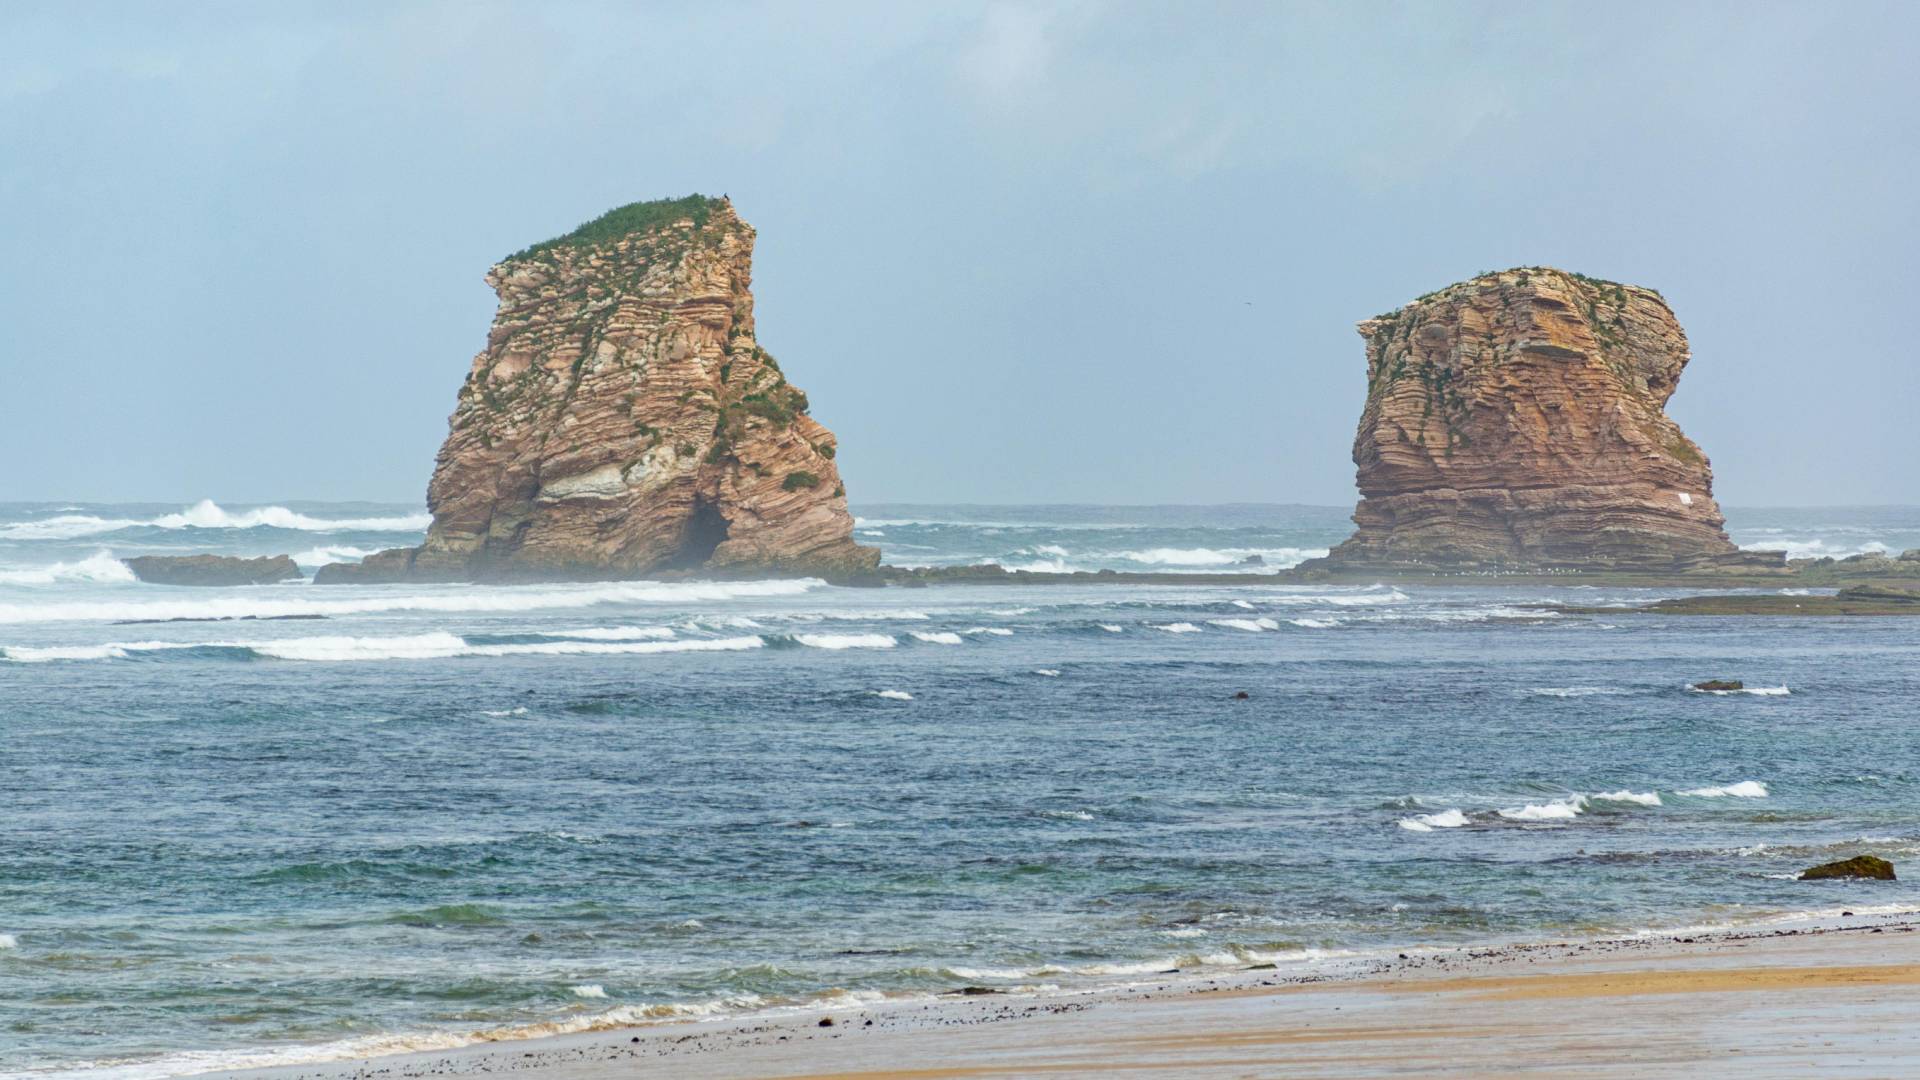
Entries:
{"x":353,"y":819}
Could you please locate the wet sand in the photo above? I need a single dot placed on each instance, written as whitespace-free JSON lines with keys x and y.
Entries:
{"x":1841,"y":999}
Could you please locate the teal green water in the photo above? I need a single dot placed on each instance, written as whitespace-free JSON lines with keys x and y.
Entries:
{"x":438,"y":811}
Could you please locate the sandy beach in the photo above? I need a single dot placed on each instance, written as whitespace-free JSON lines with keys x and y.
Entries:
{"x":1840,"y":999}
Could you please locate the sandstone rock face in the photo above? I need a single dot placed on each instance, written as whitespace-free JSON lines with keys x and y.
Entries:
{"x":1516,"y":421}
{"x":624,"y":421}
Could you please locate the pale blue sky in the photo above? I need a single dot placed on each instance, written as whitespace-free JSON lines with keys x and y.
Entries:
{"x":1081,"y":251}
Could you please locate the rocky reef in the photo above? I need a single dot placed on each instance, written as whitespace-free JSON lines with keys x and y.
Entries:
{"x":624,"y":421}
{"x":212,"y":570}
{"x":1516,"y":422}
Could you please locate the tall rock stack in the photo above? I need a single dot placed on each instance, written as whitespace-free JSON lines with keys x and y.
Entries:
{"x":624,"y":421}
{"x":1516,"y":421}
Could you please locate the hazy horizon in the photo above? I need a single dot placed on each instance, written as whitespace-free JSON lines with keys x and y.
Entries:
{"x":1018,"y":254}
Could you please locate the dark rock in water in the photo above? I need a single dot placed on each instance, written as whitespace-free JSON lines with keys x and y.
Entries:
{"x":826,"y":1021}
{"x":211,"y":569}
{"x":1242,"y":696}
{"x":1860,"y":866}
{"x":976,"y":991}
{"x":1871,"y":562}
{"x":1910,"y":555}
{"x":1721,"y":685}
{"x":1253,"y":560}
{"x":380,"y":568}
{"x":1880,"y":592}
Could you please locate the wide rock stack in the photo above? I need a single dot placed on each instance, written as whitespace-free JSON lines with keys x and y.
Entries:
{"x":1516,"y":421}
{"x":624,"y":421}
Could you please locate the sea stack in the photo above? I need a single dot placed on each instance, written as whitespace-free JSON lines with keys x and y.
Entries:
{"x":624,"y":421}
{"x":1516,"y":421}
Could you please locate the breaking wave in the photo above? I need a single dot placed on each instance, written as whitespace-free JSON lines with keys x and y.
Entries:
{"x":206,"y":514}
{"x":1642,"y":798}
{"x":432,"y":646}
{"x":845,"y":641}
{"x":1745,"y":789}
{"x":1445,"y":819}
{"x":99,"y":568}
{"x":280,"y":603}
{"x":1558,"y":810}
{"x":1251,"y":625}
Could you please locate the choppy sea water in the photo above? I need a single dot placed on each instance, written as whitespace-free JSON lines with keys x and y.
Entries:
{"x":434,"y":812}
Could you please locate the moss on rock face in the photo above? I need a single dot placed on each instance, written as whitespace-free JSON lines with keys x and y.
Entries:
{"x":629,"y":219}
{"x":1860,"y":866}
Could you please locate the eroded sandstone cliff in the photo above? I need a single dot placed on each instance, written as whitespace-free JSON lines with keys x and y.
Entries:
{"x":1517,"y":420}
{"x":623,"y":420}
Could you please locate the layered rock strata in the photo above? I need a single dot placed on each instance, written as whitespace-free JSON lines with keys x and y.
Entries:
{"x":624,"y":421}
{"x":1517,"y":421}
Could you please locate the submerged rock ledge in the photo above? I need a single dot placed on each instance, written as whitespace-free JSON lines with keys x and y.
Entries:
{"x":623,"y":421}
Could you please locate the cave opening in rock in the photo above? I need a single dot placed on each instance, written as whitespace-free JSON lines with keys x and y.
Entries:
{"x":706,"y":530}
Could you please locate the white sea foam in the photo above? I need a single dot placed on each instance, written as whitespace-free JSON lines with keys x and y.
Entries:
{"x":1759,"y":691}
{"x":995,"y":631}
{"x":939,"y":637}
{"x":1820,"y":549}
{"x":327,"y":554}
{"x":1558,"y":810}
{"x":1112,"y":629}
{"x":589,"y":990}
{"x":1315,"y":624}
{"x":1445,"y":819}
{"x":206,"y":514}
{"x":367,"y":1046}
{"x":65,"y":527}
{"x":1185,"y":932}
{"x":614,"y":633}
{"x":1745,"y":789}
{"x":98,"y":568}
{"x":501,"y":714}
{"x":1177,"y":628}
{"x":8,"y":941}
{"x":1575,"y":691}
{"x":334,"y":648}
{"x":281,"y":601}
{"x":1252,"y":625}
{"x":24,"y":654}
{"x":1243,"y":604}
{"x":1270,"y":558}
{"x":1070,"y":815}
{"x":1643,"y":798}
{"x":611,"y":648}
{"x":893,"y":695}
{"x":1050,"y":673}
{"x":846,"y":641}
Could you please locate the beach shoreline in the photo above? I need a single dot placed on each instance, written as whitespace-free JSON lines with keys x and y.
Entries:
{"x":1837,"y":995}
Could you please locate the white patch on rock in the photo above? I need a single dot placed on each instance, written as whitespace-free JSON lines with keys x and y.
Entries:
{"x":1686,"y":499}
{"x":604,"y":482}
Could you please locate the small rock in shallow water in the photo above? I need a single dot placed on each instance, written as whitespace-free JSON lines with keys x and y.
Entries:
{"x":1242,"y":696}
{"x":1860,"y":866}
{"x":826,"y":1021}
{"x":1722,"y":685}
